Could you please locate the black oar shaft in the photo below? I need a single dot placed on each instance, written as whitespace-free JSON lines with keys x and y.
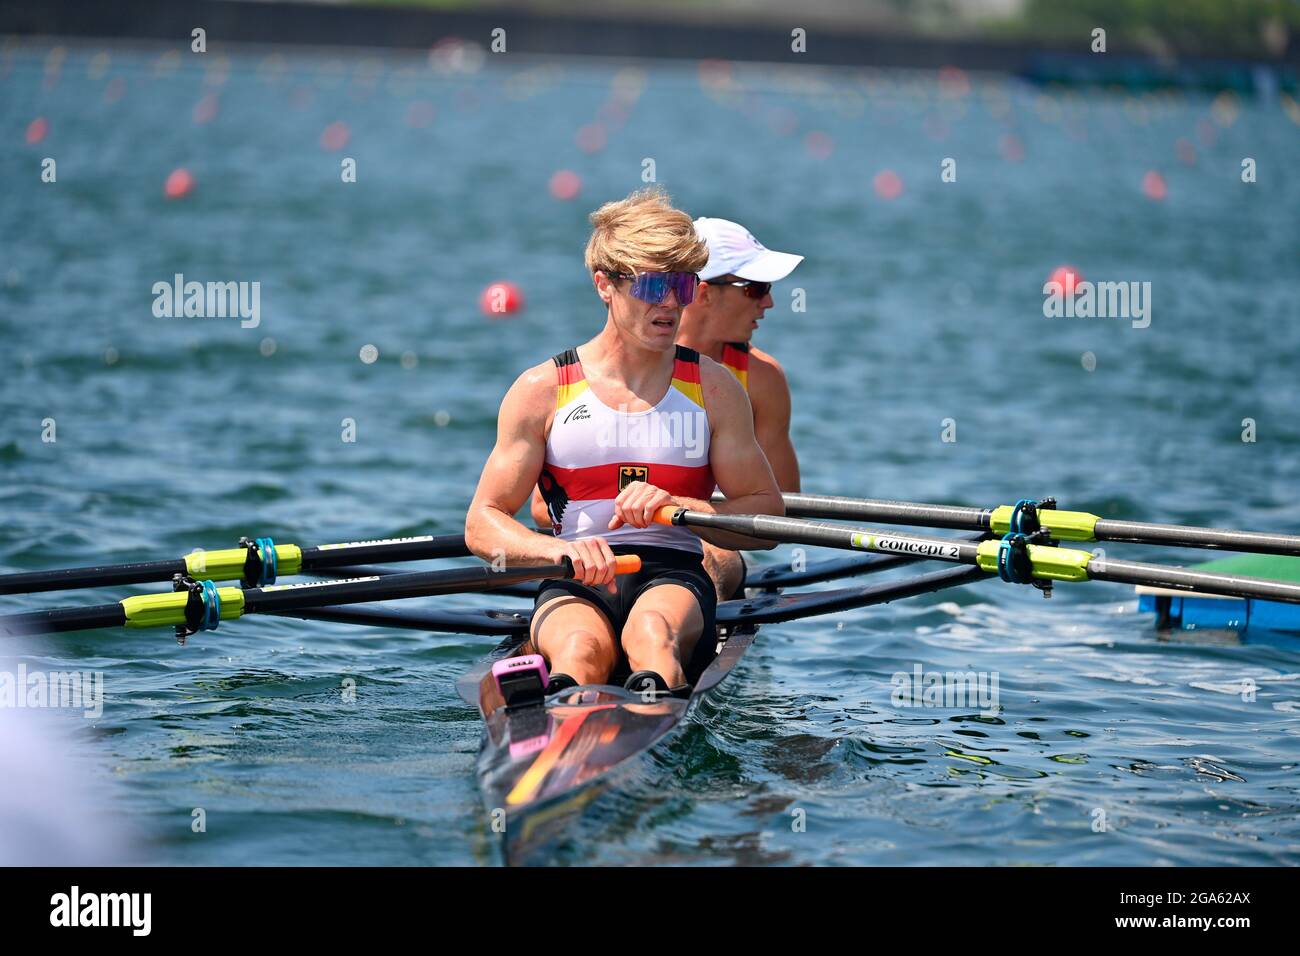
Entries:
{"x":1046,"y":563}
{"x":801,"y":531}
{"x":774,"y":609}
{"x":228,"y":564}
{"x":1187,"y":579}
{"x":107,"y":575}
{"x":203,"y":606}
{"x":411,"y":549}
{"x":1185,"y":536}
{"x":392,"y":587}
{"x":1066,"y":525}
{"x":486,"y":622}
{"x":60,"y":619}
{"x":851,"y":566}
{"x":888,"y":512}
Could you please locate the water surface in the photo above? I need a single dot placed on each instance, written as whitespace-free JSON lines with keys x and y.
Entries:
{"x":180,"y":433}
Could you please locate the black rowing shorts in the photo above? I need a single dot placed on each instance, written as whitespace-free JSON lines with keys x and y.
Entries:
{"x":658,"y":566}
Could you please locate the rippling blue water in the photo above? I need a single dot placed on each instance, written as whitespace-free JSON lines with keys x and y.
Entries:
{"x":174,"y":434}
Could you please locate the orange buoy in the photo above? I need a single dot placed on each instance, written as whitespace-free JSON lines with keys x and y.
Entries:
{"x":335,"y":136}
{"x":37,"y":129}
{"x":1067,"y":277}
{"x":1154,"y":186}
{"x":887,"y":184}
{"x":565,"y":184}
{"x":179,"y":184}
{"x":501,"y":299}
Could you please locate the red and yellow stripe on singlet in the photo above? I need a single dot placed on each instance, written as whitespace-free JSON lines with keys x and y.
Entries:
{"x":686,"y":374}
{"x":572,"y":382}
{"x":735,"y":356}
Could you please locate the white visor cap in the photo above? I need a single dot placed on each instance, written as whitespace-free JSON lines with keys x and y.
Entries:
{"x":733,"y":250}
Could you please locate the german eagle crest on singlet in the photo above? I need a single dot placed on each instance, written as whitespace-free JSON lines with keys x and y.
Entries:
{"x":554,"y":496}
{"x":630,"y":473}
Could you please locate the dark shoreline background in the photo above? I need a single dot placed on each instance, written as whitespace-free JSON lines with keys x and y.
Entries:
{"x":671,"y":33}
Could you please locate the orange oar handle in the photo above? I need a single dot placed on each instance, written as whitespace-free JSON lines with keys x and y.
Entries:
{"x":665,"y":514}
{"x":627,"y":563}
{"x":623,"y":564}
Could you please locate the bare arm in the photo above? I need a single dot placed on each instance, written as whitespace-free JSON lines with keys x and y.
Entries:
{"x":508,"y":479}
{"x":771,"y":397}
{"x":510,"y":474}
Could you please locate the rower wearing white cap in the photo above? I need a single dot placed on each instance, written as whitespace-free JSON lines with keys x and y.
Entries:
{"x":735,"y":290}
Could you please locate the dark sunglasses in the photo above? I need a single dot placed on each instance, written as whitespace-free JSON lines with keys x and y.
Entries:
{"x":653,"y":287}
{"x":755,"y":290}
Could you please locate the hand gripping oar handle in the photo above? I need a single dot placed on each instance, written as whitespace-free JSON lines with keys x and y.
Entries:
{"x":623,"y":564}
{"x":666,"y":514}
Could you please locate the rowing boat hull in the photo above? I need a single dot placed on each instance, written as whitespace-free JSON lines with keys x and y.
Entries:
{"x":1192,"y":610}
{"x":539,"y":765}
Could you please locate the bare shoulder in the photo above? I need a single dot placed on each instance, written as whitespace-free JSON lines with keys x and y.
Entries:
{"x":769,"y":390}
{"x":722,"y":390}
{"x":532,"y":396}
{"x":539,"y":378}
{"x":765,"y":370}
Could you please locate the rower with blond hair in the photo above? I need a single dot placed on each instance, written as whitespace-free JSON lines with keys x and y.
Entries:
{"x":611,"y":432}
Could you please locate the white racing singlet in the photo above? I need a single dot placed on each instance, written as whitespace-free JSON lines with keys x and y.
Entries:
{"x":594,"y":451}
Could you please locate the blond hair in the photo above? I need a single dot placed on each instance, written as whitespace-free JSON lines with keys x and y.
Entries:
{"x":644,"y":233}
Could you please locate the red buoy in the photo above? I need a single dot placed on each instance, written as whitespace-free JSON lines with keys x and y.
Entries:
{"x":1067,"y":277}
{"x":565,"y":184}
{"x":1154,"y":186}
{"x":887,"y":184}
{"x":180,"y":183}
{"x":37,"y":129}
{"x":501,"y":299}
